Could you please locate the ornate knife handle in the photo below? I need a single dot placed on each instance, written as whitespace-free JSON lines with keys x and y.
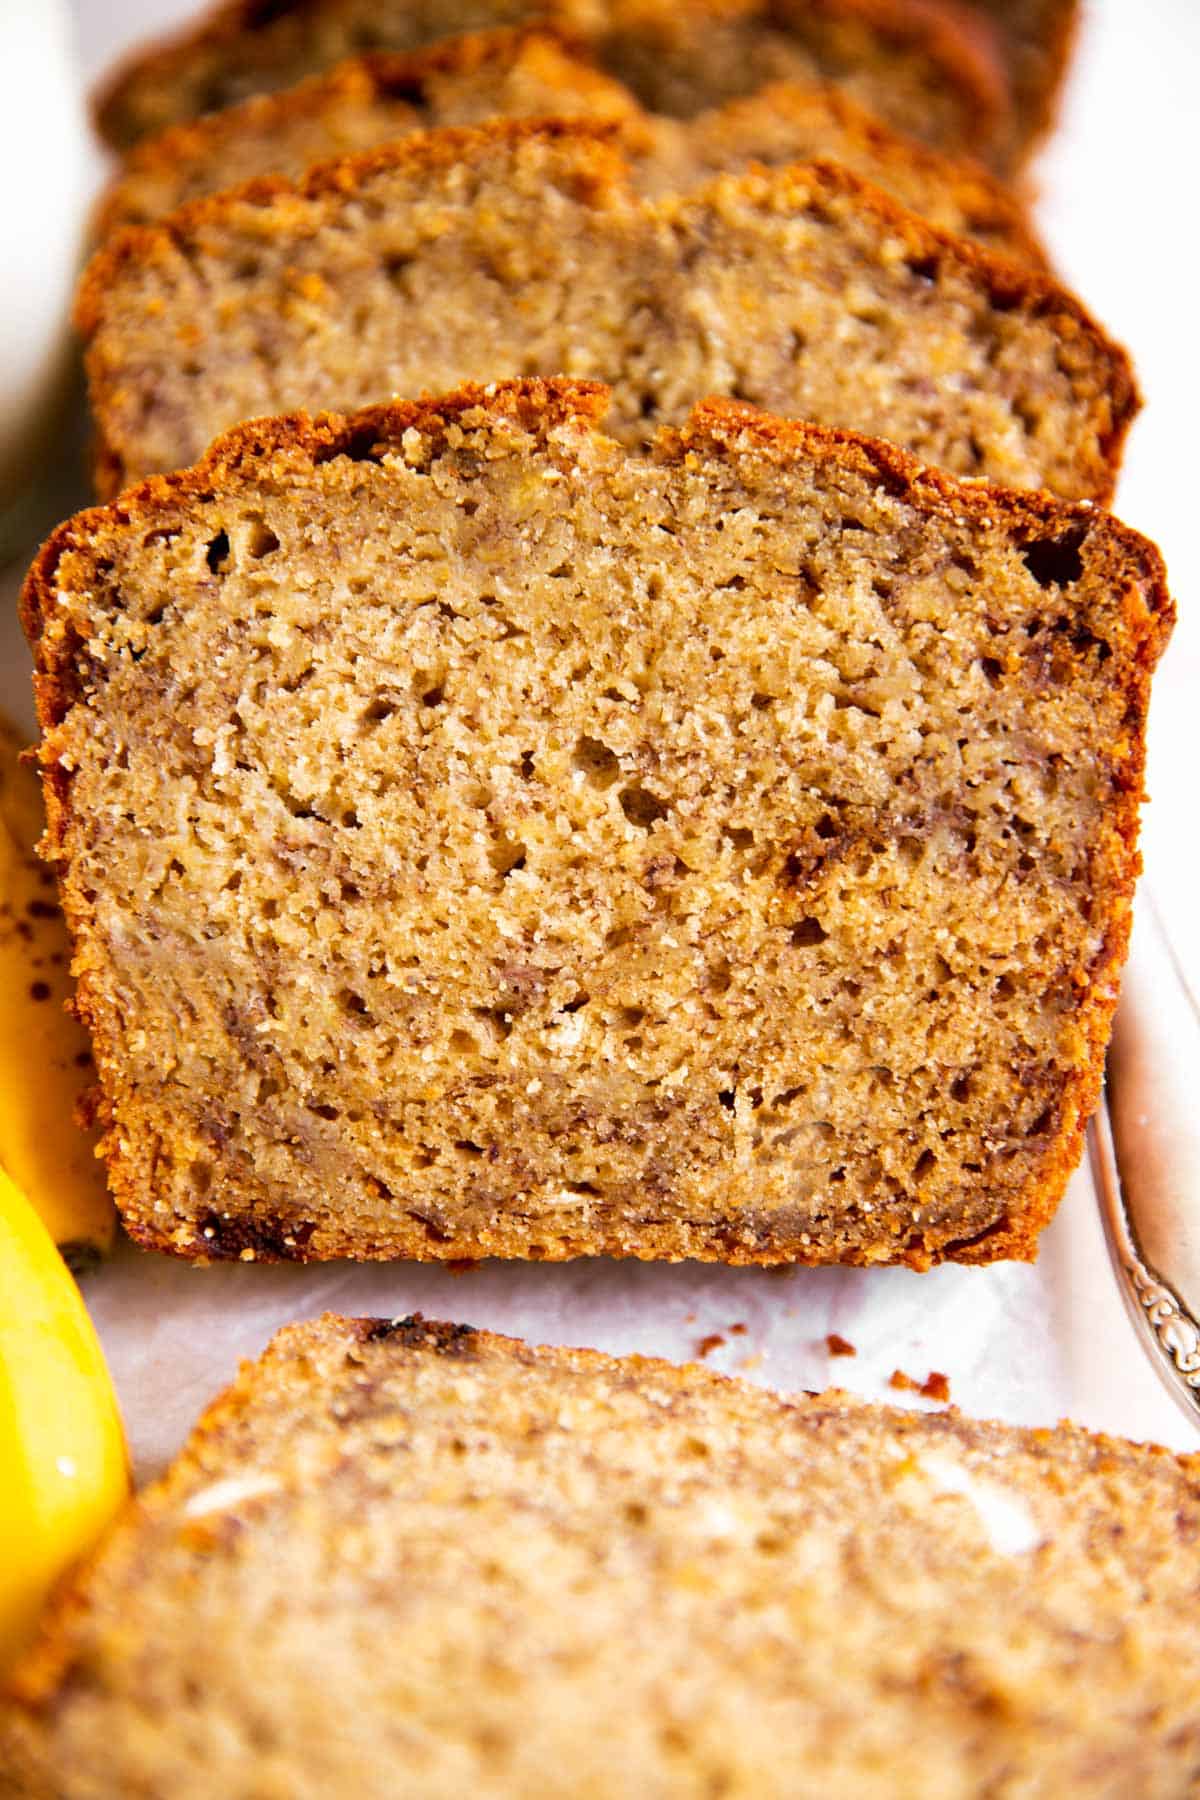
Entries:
{"x":1146,"y":1159}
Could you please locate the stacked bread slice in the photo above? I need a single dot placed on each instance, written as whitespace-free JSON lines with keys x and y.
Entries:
{"x":577,"y":822}
{"x":934,"y":68}
{"x":405,"y":1557}
{"x":522,"y":248}
{"x":672,"y":795}
{"x":1036,"y":39}
{"x":377,"y":99}
{"x":358,"y":105}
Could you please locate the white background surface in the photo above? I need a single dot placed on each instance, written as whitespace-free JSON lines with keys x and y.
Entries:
{"x":1020,"y":1343}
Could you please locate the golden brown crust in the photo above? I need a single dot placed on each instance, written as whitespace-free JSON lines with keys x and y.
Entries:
{"x":1006,"y":285}
{"x":717,"y":429}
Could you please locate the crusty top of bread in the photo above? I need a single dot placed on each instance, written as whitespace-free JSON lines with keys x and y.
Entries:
{"x":358,"y":104}
{"x":402,"y":1553}
{"x":876,"y":792}
{"x":804,"y":289}
{"x":926,"y":65}
{"x":796,"y":121}
{"x":369,"y":100}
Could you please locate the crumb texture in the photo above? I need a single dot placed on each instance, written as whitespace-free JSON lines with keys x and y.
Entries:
{"x":481,"y":840}
{"x":400,"y":1556}
{"x":522,"y":249}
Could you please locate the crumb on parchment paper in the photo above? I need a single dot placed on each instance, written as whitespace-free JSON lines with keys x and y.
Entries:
{"x":837,"y":1345}
{"x":935,"y":1386}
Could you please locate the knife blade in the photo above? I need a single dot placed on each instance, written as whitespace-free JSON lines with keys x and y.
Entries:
{"x":1146,"y":1157}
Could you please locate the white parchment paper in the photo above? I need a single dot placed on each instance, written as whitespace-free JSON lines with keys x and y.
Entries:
{"x":1029,"y":1344}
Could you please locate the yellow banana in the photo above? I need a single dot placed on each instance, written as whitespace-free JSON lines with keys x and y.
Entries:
{"x":63,"y":1465}
{"x":45,"y":1062}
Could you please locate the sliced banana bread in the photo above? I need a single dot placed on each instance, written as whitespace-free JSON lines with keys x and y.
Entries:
{"x":370,"y":101}
{"x":924,"y":65}
{"x":521,"y":249}
{"x":408,"y":1557}
{"x":363,"y":103}
{"x":482,"y":840}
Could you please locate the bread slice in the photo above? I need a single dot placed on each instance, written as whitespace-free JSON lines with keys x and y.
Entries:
{"x":480,"y":840}
{"x":520,"y":248}
{"x":408,"y":1557}
{"x":375,"y":99}
{"x":360,"y":104}
{"x":923,"y":65}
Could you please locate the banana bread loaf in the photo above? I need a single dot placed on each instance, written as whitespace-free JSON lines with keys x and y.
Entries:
{"x":482,"y":840}
{"x":521,"y":249}
{"x":376,"y":99}
{"x":409,"y":1557}
{"x":923,"y":65}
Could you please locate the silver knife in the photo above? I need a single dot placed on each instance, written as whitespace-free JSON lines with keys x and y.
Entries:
{"x":1146,"y":1157}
